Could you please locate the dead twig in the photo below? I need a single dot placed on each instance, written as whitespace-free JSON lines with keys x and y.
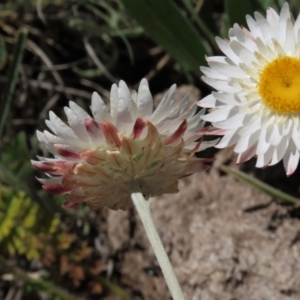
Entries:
{"x":159,"y":66}
{"x":49,"y":104}
{"x":58,"y":88}
{"x":40,"y":12}
{"x":58,"y":67}
{"x":39,"y":52}
{"x":103,"y":92}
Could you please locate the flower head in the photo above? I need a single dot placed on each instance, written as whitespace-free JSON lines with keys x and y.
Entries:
{"x":257,"y":102}
{"x":97,"y":158}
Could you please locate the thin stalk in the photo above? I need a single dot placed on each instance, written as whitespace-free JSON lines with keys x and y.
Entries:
{"x":143,"y":208}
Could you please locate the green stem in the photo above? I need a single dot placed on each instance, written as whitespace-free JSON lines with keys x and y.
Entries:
{"x":259,"y":185}
{"x":143,"y":208}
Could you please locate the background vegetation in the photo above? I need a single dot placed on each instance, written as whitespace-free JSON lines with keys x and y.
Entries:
{"x":53,"y":51}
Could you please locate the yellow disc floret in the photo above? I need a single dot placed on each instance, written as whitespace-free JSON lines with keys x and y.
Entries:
{"x":279,"y":85}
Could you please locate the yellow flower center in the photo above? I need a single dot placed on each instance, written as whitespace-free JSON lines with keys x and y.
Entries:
{"x":279,"y":85}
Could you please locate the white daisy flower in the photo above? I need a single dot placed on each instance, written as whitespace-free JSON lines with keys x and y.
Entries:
{"x":97,"y":158}
{"x":257,"y":102}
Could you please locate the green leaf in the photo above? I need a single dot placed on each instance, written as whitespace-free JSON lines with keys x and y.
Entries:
{"x":237,"y":10}
{"x":261,"y":186}
{"x":165,"y":24}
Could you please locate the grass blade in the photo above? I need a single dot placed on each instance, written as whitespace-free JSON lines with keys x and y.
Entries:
{"x":12,"y":76}
{"x":261,"y":186}
{"x":164,"y":23}
{"x":3,"y":54}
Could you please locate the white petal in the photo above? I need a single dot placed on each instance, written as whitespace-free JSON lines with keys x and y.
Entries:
{"x":279,"y":151}
{"x":249,"y":153}
{"x":264,"y":159}
{"x":285,"y":12}
{"x":40,"y":136}
{"x":254,"y":28}
{"x":226,"y":49}
{"x":291,"y":159}
{"x":50,"y":126}
{"x":114,"y":99}
{"x":284,"y":15}
{"x":230,"y":138}
{"x":213,"y":73}
{"x":219,"y":59}
{"x":243,"y":53}
{"x":287,"y":126}
{"x":77,"y":125}
{"x":99,"y":109}
{"x":164,"y":106}
{"x":246,"y":142}
{"x":62,"y":130}
{"x":227,"y":98}
{"x":144,"y":100}
{"x":185,"y":104}
{"x":52,"y":180}
{"x":208,"y":144}
{"x":217,"y":115}
{"x":51,"y":139}
{"x":297,"y":27}
{"x":249,"y":127}
{"x":188,"y":114}
{"x":194,"y":122}
{"x":296,"y":138}
{"x":208,"y":101}
{"x":124,"y":121}
{"x":228,"y":70}
{"x":234,"y":121}
{"x":289,"y":45}
{"x":273,"y":18}
{"x":240,"y":35}
{"x":275,"y":137}
{"x":265,"y":50}
{"x":220,"y":85}
{"x":266,"y":29}
{"x":81,"y":113}
{"x":123,"y":92}
{"x":262,"y":145}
